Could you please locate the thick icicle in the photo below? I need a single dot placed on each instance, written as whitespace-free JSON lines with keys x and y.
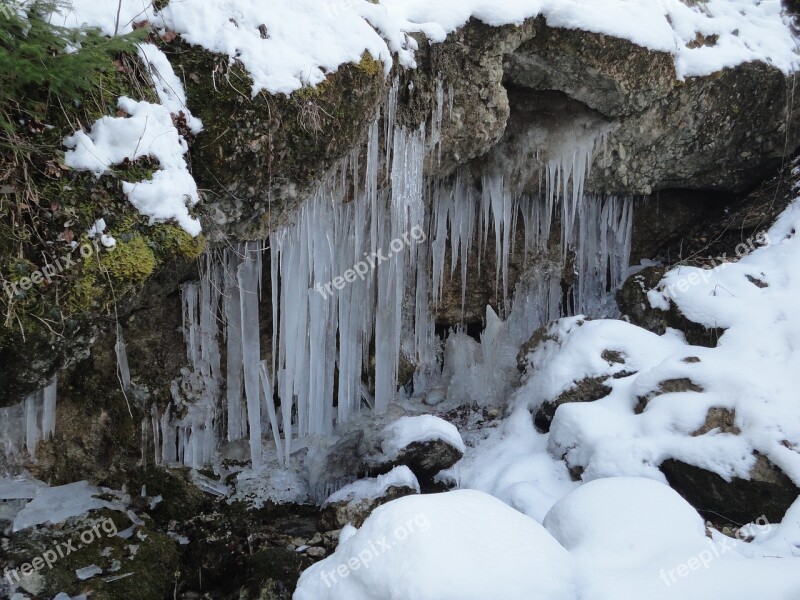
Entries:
{"x":248,"y":278}
{"x":232,"y":309}
{"x":49,"y":408}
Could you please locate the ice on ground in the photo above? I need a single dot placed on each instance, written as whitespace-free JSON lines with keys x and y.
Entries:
{"x":462,"y":544}
{"x":375,"y":487}
{"x":56,"y":504}
{"x":22,"y":487}
{"x":147,"y":131}
{"x":423,"y":428}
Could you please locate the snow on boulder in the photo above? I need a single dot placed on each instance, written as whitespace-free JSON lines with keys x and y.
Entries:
{"x":463,"y":544}
{"x":353,"y":503}
{"x":427,"y":444}
{"x":625,"y":521}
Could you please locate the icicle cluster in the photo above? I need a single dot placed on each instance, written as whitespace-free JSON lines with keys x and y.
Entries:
{"x":348,"y":282}
{"x":187,"y":431}
{"x":24,"y":425}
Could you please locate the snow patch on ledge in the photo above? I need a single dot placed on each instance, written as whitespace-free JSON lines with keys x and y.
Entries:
{"x":147,"y":131}
{"x":288,"y":44}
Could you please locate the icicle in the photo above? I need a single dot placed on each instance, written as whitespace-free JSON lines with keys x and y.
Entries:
{"x":232,"y":310}
{"x":32,"y":431}
{"x":247,"y":275}
{"x":169,"y":441}
{"x":266,"y":387}
{"x":123,"y":371}
{"x":156,"y":426}
{"x":49,"y":408}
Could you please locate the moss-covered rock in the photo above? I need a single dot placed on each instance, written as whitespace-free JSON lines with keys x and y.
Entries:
{"x":260,"y":155}
{"x":143,"y":566}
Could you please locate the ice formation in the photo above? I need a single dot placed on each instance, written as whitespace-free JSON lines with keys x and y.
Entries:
{"x":358,"y":274}
{"x":24,"y":425}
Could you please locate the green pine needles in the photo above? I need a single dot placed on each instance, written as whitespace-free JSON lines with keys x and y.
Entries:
{"x":39,"y":59}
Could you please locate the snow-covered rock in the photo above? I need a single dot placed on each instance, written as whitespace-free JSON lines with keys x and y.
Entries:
{"x":354,"y":502}
{"x":462,"y":544}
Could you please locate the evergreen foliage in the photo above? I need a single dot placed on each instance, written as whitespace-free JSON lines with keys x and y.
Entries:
{"x":38,"y":57}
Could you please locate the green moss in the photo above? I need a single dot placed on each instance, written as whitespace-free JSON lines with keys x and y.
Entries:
{"x":131,"y":262}
{"x":370,"y":66}
{"x":152,"y":563}
{"x":174,"y":243}
{"x":273,"y":142}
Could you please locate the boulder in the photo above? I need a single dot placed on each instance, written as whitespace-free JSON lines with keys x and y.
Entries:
{"x":355,"y":502}
{"x":768,"y":492}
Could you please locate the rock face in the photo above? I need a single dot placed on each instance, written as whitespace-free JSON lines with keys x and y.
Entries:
{"x":768,"y":492}
{"x":260,"y":156}
{"x":671,"y":134}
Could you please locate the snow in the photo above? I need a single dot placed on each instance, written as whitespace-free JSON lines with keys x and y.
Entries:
{"x":103,"y":15}
{"x":286,"y":45}
{"x":588,"y":522}
{"x":752,"y":372}
{"x":423,"y":428}
{"x":611,"y":539}
{"x":375,"y":487}
{"x":147,"y":131}
{"x":283,"y":45}
{"x":462,"y":544}
{"x":290,"y":55}
{"x":169,"y":88}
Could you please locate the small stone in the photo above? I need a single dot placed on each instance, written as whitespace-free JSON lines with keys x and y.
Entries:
{"x":316,"y":552}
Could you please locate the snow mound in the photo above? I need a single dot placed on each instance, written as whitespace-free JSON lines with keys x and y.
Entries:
{"x":625,"y":521}
{"x":423,"y":428}
{"x":375,"y":487}
{"x":464,"y":544}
